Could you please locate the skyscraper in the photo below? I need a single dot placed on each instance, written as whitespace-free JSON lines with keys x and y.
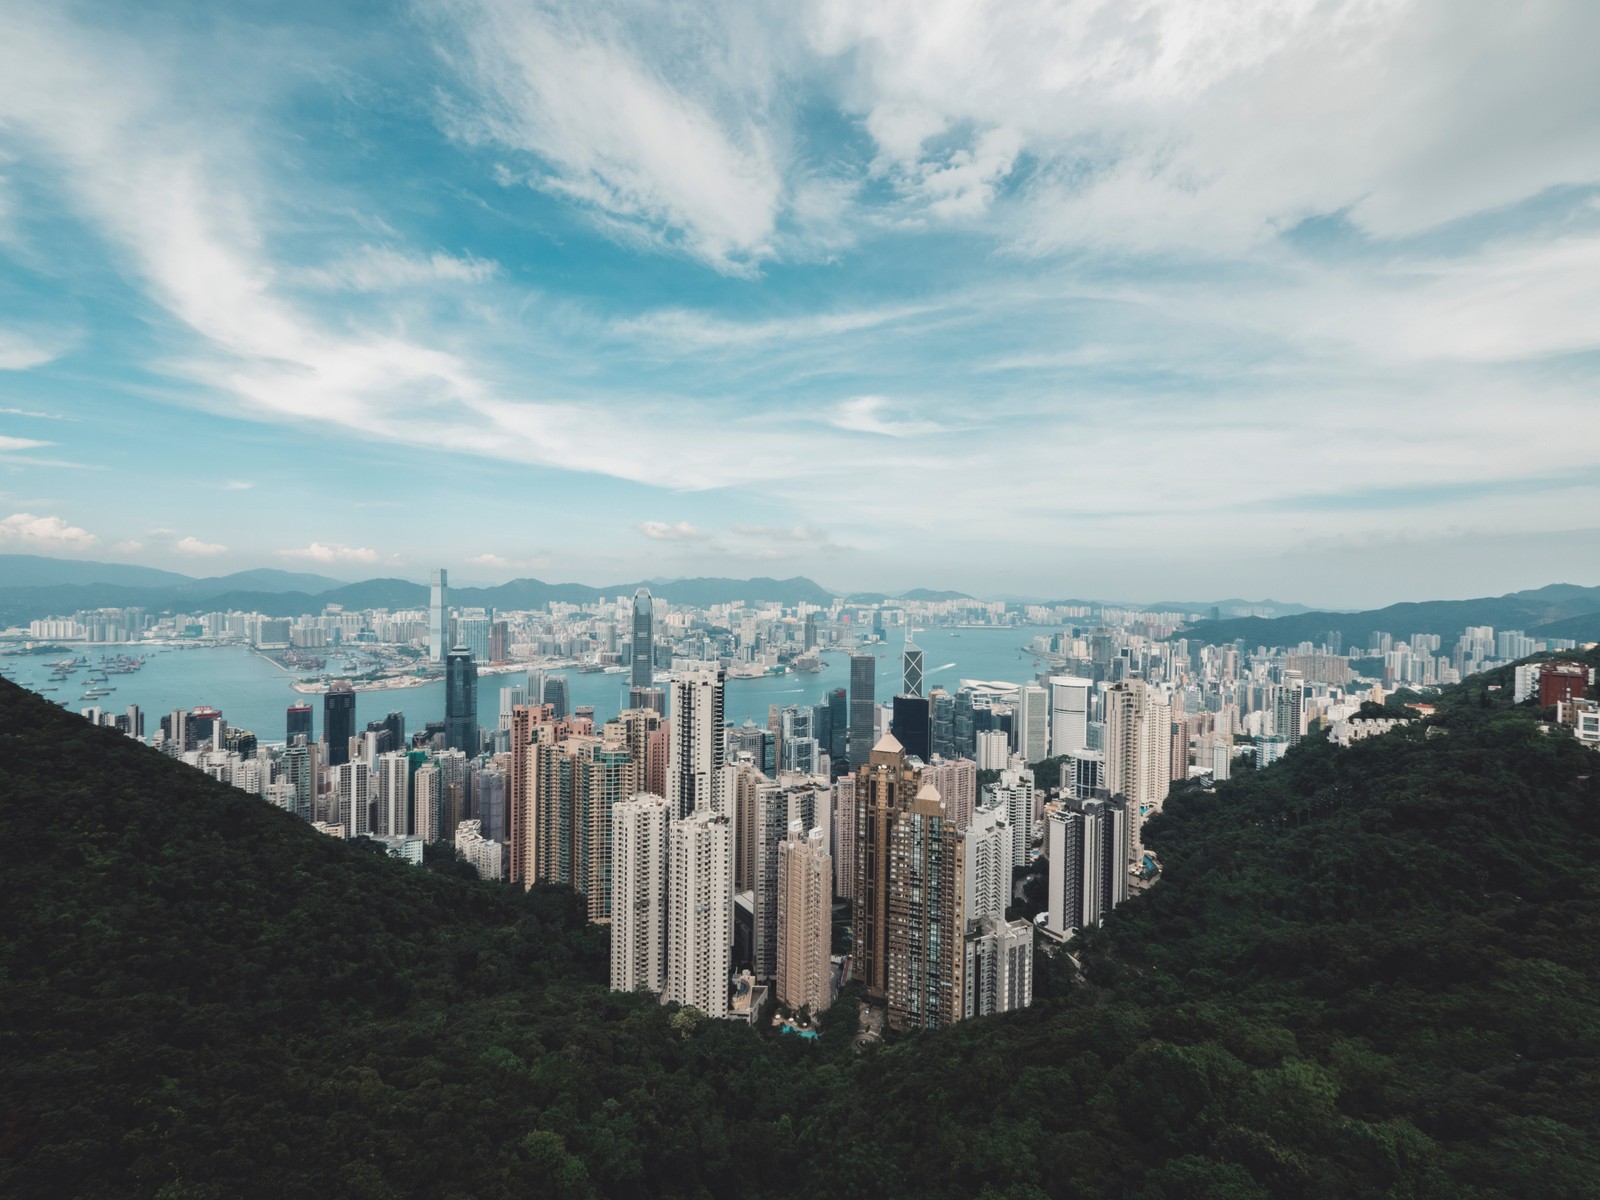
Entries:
{"x":863,"y":671}
{"x":700,"y":911}
{"x":925,"y":924}
{"x":912,"y":662}
{"x":883,"y":785}
{"x":1138,"y":766}
{"x":695,"y":750}
{"x":557,"y":696}
{"x":643,"y":663}
{"x":298,"y":722}
{"x":1033,"y":723}
{"x":912,"y":726}
{"x":439,"y":615}
{"x":1069,"y":713}
{"x":639,"y":854}
{"x":805,"y":920}
{"x":461,"y":702}
{"x":339,"y":720}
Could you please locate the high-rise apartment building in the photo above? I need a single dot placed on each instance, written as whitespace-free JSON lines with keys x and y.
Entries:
{"x":695,"y":747}
{"x":639,"y":864}
{"x":804,"y":919}
{"x":642,"y":652}
{"x":339,"y":720}
{"x":1086,"y":844}
{"x":994,"y":749}
{"x":700,"y":911}
{"x":1138,"y":758}
{"x":957,"y":782}
{"x":354,"y":784}
{"x":926,"y":924}
{"x":883,"y":785}
{"x":439,"y":615}
{"x":461,"y":702}
{"x":998,"y":974}
{"x":393,"y":807}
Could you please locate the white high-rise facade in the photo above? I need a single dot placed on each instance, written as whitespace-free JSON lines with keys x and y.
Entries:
{"x":1014,"y":796}
{"x":1069,"y":713}
{"x":986,"y":864}
{"x":355,"y":783}
{"x":394,"y":795}
{"x":694,"y":748}
{"x":1033,"y":723}
{"x":639,"y":845}
{"x":993,"y":749}
{"x":700,"y":912}
{"x":439,"y":616}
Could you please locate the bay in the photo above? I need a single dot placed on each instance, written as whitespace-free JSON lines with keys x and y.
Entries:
{"x":254,"y":693}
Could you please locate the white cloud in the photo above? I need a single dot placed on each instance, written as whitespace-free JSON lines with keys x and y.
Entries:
{"x":677,"y":157}
{"x":876,"y":414}
{"x":130,"y":546}
{"x":237,"y":485}
{"x":46,"y":533}
{"x":324,"y":553}
{"x":198,"y":549}
{"x":661,"y":531}
{"x":488,"y":560}
{"x":21,"y":352}
{"x":10,"y":444}
{"x":383,"y":269}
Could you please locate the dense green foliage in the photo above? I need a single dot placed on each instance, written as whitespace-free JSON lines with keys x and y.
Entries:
{"x":1368,"y":972}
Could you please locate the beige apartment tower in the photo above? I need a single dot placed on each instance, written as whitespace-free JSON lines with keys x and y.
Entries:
{"x":805,"y":920}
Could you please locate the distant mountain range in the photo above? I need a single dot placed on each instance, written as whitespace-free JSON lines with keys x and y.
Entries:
{"x":1561,"y":610}
{"x":33,"y":586}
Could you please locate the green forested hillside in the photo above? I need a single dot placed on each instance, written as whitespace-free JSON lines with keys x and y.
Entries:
{"x":1368,"y":973}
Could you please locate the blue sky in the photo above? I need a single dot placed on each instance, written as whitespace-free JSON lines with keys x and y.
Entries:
{"x":1169,"y":299}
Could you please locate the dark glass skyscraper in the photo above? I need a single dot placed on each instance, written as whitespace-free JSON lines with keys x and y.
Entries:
{"x":461,"y":701}
{"x":863,"y":700}
{"x":298,"y":723}
{"x":912,"y":726}
{"x":557,"y":696}
{"x":838,"y":726}
{"x":644,"y":645}
{"x":339,"y":720}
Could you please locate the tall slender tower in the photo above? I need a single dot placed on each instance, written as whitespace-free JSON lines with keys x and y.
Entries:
{"x":439,"y":615}
{"x":695,"y":752}
{"x":1138,"y":754}
{"x":339,"y":720}
{"x":912,"y":660}
{"x":700,"y":911}
{"x":639,"y":848}
{"x":461,"y":702}
{"x":883,"y":785}
{"x":805,"y":919}
{"x":644,"y":645}
{"x":863,"y":671}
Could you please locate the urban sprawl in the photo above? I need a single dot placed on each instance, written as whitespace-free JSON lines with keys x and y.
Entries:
{"x":722,"y":857}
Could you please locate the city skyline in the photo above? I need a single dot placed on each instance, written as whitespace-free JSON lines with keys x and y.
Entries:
{"x":1089,"y":301}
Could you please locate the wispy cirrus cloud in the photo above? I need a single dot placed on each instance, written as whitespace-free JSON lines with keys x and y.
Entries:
{"x":384,"y":268}
{"x":881,"y":416}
